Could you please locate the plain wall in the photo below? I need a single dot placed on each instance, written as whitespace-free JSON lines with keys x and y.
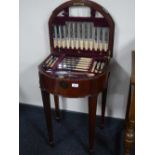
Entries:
{"x":34,"y":47}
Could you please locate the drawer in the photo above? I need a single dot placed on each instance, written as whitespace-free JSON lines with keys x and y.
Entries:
{"x":72,"y":88}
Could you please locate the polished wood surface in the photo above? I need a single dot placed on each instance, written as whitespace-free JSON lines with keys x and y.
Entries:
{"x":47,"y":109}
{"x":89,"y":86}
{"x":92,"y":121}
{"x":130,"y":117}
{"x":57,"y":111}
{"x":103,"y":104}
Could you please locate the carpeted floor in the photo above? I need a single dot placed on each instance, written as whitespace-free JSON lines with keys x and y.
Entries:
{"x":70,"y":135}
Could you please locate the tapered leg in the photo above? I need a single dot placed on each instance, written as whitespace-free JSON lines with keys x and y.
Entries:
{"x":103,"y":104}
{"x":47,"y":110}
{"x":57,"y":111}
{"x":104,"y":96}
{"x":92,"y":121}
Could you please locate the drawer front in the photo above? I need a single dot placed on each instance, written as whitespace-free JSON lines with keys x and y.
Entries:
{"x":72,"y":88}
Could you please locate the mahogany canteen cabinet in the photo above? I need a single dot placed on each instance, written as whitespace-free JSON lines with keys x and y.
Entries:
{"x":81,"y":49}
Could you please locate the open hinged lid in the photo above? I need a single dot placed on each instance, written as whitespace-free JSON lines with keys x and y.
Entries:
{"x":90,"y":35}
